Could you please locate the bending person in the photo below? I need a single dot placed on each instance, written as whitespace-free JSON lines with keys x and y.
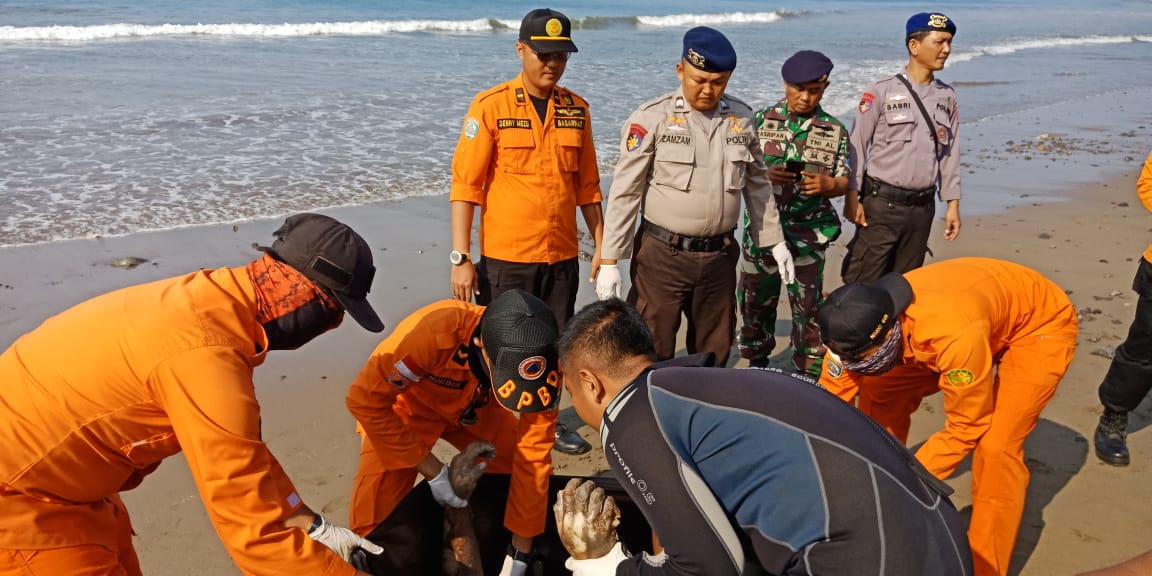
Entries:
{"x":96,"y":397}
{"x":756,"y":469}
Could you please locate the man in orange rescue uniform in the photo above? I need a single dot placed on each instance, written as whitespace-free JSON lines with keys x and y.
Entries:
{"x":433,"y":378}
{"x":525,"y":156}
{"x":93,"y":399}
{"x":994,"y":336}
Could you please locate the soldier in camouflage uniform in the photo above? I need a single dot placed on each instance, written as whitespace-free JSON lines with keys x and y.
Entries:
{"x":795,"y":130}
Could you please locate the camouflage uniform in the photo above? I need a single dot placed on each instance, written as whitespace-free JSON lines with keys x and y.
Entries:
{"x":810,"y":223}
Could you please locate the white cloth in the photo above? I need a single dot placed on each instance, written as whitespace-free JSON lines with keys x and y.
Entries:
{"x":513,"y":567}
{"x":341,"y":540}
{"x":443,"y":492}
{"x":608,"y":282}
{"x":784,"y":261}
{"x":602,"y":566}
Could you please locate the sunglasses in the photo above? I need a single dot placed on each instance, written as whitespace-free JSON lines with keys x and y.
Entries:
{"x":546,"y":57}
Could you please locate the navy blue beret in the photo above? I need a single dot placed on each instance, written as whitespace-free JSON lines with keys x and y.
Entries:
{"x":931,"y":22}
{"x":709,"y":50}
{"x":806,"y":66}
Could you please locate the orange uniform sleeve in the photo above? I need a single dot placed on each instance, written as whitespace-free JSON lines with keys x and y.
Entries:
{"x":1144,"y":184}
{"x":398,"y":362}
{"x":527,"y":507}
{"x":472,"y":162}
{"x":588,"y":190}
{"x":837,"y":380}
{"x":209,"y":398}
{"x":965,"y":365}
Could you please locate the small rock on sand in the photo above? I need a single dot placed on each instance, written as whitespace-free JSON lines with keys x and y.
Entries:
{"x":127,"y":262}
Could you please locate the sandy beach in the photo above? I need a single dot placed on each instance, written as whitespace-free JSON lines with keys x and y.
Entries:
{"x":1081,"y":514}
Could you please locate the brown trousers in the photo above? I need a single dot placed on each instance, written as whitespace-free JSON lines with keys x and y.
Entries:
{"x":667,"y":282}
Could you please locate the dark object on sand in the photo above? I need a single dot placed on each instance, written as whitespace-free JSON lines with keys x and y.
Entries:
{"x":127,"y":262}
{"x":413,"y":538}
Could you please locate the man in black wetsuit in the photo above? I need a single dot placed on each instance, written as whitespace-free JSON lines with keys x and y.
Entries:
{"x":742,"y":471}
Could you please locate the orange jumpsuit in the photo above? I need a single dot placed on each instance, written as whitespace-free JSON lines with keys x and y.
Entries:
{"x":412,"y":392}
{"x":996,"y":338}
{"x":93,"y":399}
{"x":527,"y":178}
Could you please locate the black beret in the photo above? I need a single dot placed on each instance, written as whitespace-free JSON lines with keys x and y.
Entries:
{"x":806,"y":66}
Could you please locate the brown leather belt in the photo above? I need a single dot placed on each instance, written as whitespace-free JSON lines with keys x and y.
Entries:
{"x":686,"y":243}
{"x":898,"y":195}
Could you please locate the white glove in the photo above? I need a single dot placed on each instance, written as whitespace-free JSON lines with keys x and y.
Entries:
{"x":513,"y":567}
{"x":341,"y":540}
{"x":608,"y":282}
{"x":443,"y":492}
{"x":602,"y":566}
{"x":784,"y":261}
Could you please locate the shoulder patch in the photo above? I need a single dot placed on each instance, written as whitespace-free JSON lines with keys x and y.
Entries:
{"x":408,"y":368}
{"x":835,"y":369}
{"x":866,"y":101}
{"x":471,"y":128}
{"x":635,"y":139}
{"x":959,"y":378}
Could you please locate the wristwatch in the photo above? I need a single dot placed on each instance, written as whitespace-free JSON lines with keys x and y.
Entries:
{"x":519,"y":556}
{"x":317,"y":522}
{"x":457,"y":257}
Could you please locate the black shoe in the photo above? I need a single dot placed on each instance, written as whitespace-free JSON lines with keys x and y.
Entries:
{"x":569,"y":442}
{"x":1111,"y":438}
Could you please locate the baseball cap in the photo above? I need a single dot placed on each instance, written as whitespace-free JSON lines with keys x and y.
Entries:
{"x":546,"y":30}
{"x":857,"y":316}
{"x":519,"y":333}
{"x":806,"y":66}
{"x":332,"y":255}
{"x":709,"y":50}
{"x":930,"y":21}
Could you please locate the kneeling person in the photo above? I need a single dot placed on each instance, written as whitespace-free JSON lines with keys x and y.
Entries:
{"x":433,"y":378}
{"x":756,"y":469}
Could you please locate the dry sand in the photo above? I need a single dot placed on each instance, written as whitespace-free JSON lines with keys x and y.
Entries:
{"x":1080,"y":514}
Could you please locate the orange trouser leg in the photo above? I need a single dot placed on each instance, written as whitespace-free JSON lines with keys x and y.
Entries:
{"x":89,"y":560}
{"x":1027,"y":377}
{"x":891,"y":398}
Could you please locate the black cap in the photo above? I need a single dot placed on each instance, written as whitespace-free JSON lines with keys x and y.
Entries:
{"x":857,"y":316}
{"x":332,"y":255}
{"x":806,"y":66}
{"x":546,"y":30}
{"x":519,"y":333}
{"x":930,"y":22}
{"x":709,"y":50}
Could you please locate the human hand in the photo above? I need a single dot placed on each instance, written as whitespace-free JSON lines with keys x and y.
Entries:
{"x":609,"y":284}
{"x":952,"y":221}
{"x":468,"y":466}
{"x":443,"y":491}
{"x":779,"y":175}
{"x":341,"y":540}
{"x":817,"y":185}
{"x":586,"y":520}
{"x":784,"y":261}
{"x":464,"y":283}
{"x":854,"y":210}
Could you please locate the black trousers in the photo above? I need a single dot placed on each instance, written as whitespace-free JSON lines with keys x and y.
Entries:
{"x":895,"y":240}
{"x":1129,"y":377}
{"x":555,"y":284}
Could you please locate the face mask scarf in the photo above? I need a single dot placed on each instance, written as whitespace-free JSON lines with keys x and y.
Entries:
{"x":289,"y":306}
{"x":885,"y":357}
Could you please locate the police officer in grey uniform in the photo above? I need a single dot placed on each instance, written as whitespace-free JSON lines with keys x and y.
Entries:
{"x":905,"y":152}
{"x":686,"y":159}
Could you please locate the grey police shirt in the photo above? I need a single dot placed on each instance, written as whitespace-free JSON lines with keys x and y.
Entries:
{"x":891,"y":142}
{"x":689,"y":172}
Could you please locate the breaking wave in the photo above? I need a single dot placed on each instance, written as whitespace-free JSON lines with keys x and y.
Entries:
{"x":1016,"y":46}
{"x":362,"y":28}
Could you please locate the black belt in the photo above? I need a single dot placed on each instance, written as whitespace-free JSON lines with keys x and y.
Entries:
{"x":686,"y":243}
{"x":898,"y":195}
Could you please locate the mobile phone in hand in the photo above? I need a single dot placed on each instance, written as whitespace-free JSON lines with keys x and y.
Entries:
{"x":796,"y":167}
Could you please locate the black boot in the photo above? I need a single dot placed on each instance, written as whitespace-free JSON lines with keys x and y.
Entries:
{"x":1112,"y":438}
{"x":569,"y":442}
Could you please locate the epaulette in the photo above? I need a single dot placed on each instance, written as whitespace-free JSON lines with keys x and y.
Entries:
{"x":737,"y":103}
{"x":493,"y":91}
{"x":657,"y":100}
{"x":942,"y":84}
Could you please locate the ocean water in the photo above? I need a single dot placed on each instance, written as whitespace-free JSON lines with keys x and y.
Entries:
{"x":118,"y":117}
